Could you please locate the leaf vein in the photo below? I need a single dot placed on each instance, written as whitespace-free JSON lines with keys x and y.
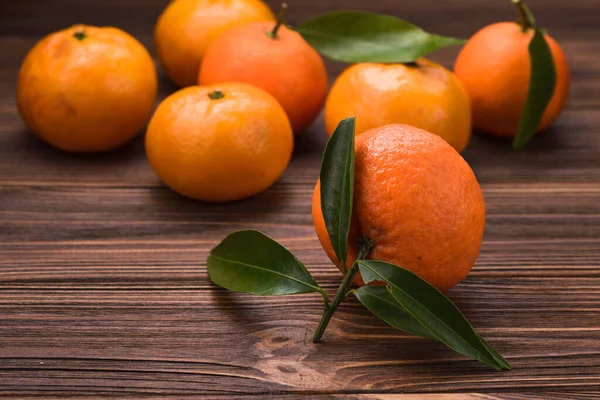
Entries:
{"x":430,"y":313}
{"x":268,"y":270}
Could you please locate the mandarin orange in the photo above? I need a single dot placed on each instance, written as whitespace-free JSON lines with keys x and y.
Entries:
{"x":187,"y":27}
{"x":283,"y":64}
{"x":219,"y":143}
{"x":494,"y":67}
{"x":417,"y":200}
{"x":423,"y":94}
{"x":87,"y":89}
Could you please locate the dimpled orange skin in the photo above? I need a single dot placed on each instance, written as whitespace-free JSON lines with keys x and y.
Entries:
{"x":223,"y":149}
{"x":285,"y":66}
{"x":186,"y":28}
{"x":494,"y":67}
{"x":87,"y":95}
{"x":425,"y":95}
{"x":419,"y":202}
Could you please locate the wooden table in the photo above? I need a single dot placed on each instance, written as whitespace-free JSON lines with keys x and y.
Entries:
{"x":103,"y":285}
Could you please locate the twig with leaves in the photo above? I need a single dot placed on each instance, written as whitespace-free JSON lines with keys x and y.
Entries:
{"x":249,"y":261}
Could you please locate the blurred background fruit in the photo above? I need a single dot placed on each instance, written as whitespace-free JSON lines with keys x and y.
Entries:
{"x":422,"y":94}
{"x":494,"y":66}
{"x":417,"y":200}
{"x":186,"y":28}
{"x":87,"y":89}
{"x":219,"y":143}
{"x":277,"y":60}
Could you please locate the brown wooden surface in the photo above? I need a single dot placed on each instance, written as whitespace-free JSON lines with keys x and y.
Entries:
{"x":103,"y":286}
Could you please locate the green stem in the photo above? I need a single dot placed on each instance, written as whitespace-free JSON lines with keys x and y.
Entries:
{"x":365,"y":249}
{"x":527,"y":19}
{"x":325,"y":297}
{"x":339,"y":296}
{"x":280,"y":19}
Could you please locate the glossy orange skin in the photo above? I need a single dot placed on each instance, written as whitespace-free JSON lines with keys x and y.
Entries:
{"x":219,"y":150}
{"x":494,"y":67}
{"x":425,"y":95}
{"x":87,"y":95}
{"x":285,"y":66}
{"x":419,"y":202}
{"x":187,"y":27}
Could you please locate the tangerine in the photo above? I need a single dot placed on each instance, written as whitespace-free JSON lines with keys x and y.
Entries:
{"x":186,"y":28}
{"x":86,"y":88}
{"x":494,"y":67}
{"x":280,"y":62}
{"x":422,"y":94}
{"x":219,"y":143}
{"x":417,"y":201}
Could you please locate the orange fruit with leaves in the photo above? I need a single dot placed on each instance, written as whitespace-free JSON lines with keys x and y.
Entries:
{"x":274,"y":58}
{"x":417,"y":200}
{"x":422,"y":94}
{"x":219,"y":143}
{"x":86,"y":88}
{"x":494,"y":67}
{"x":186,"y":28}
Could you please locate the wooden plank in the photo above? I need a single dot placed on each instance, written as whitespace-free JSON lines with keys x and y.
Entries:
{"x":565,"y":153}
{"x":218,"y":342}
{"x":541,"y":161}
{"x":518,"y":217}
{"x":537,"y":314}
{"x":337,"y":396}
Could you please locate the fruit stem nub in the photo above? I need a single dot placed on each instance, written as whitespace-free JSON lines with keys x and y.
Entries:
{"x":80,"y":35}
{"x":216,"y":95}
{"x":280,"y":19}
{"x":527,"y":19}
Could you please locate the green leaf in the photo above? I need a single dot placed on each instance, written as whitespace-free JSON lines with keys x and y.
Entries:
{"x":337,"y":186}
{"x":433,"y":310}
{"x":380,"y":302}
{"x":353,"y":37}
{"x":249,"y":261}
{"x":541,"y":88}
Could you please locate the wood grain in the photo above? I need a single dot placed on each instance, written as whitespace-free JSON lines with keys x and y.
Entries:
{"x":454,"y":396}
{"x":103,"y":285}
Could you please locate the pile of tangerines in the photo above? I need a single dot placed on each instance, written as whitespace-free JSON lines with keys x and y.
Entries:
{"x":250,"y":83}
